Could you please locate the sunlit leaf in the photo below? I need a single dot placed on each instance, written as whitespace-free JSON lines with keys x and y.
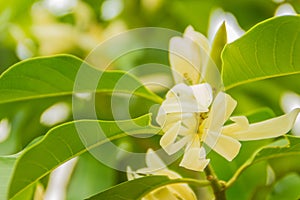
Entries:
{"x":31,"y":86}
{"x":65,"y":142}
{"x":269,"y":49}
{"x":57,"y":75}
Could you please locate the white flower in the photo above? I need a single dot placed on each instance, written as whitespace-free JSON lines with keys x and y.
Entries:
{"x":191,"y":116}
{"x":188,"y":122}
{"x":155,"y":166}
{"x":188,"y":56}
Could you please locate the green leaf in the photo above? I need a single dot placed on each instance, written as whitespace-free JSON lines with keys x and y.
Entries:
{"x":24,"y":118}
{"x":7,"y":164}
{"x":138,"y":188}
{"x":6,"y":170}
{"x":65,"y":142}
{"x":286,"y":188}
{"x":270,"y":49}
{"x":28,"y":88}
{"x":219,"y":42}
{"x":58,"y":76}
{"x":287,"y":146}
{"x":99,"y":177}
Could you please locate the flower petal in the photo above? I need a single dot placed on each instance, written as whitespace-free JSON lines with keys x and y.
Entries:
{"x":180,"y":90}
{"x":185,"y":60}
{"x":181,"y":99}
{"x":153,"y":161}
{"x":170,"y":136}
{"x":198,"y":38}
{"x":221,"y":109}
{"x":223,"y":145}
{"x":240,"y":123}
{"x":183,"y":191}
{"x":175,"y":147}
{"x":131,"y":174}
{"x":193,"y":159}
{"x":163,"y":193}
{"x":203,"y":94}
{"x":189,"y":120}
{"x":267,"y":129}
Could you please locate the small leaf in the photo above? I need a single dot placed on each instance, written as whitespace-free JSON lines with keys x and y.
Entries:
{"x":269,"y":49}
{"x":65,"y":142}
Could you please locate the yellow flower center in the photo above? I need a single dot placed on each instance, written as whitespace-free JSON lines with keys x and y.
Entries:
{"x":201,"y":123}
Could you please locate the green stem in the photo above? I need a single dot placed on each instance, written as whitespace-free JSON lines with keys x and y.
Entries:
{"x":217,"y":185}
{"x":238,"y":173}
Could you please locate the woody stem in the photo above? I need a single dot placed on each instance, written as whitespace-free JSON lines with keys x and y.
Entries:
{"x":217,"y":185}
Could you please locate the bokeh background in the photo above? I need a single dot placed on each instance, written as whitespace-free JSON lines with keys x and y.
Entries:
{"x":31,"y":28}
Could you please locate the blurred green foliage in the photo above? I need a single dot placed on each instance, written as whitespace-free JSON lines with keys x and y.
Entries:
{"x":30,"y":28}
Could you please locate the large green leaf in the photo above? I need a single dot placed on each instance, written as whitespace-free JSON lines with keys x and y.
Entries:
{"x":269,"y":49}
{"x":31,"y":86}
{"x":65,"y":142}
{"x":138,"y":188}
{"x":59,"y":75}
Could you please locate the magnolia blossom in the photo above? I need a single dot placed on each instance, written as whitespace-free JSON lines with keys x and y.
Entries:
{"x":193,"y":116}
{"x":188,"y":120}
{"x":155,"y":166}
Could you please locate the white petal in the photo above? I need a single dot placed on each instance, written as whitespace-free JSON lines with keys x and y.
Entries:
{"x":223,"y":145}
{"x":164,"y":193}
{"x":185,"y":60}
{"x":193,"y":159}
{"x":170,"y":136}
{"x":153,"y":161}
{"x":175,"y":105}
{"x":269,"y":128}
{"x":198,"y":38}
{"x":130,"y":174}
{"x":169,"y":173}
{"x":240,"y":123}
{"x":183,"y":191}
{"x":180,"y":90}
{"x":221,"y":109}
{"x":188,"y":120}
{"x":181,"y":99}
{"x":175,"y":147}
{"x":203,"y":94}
